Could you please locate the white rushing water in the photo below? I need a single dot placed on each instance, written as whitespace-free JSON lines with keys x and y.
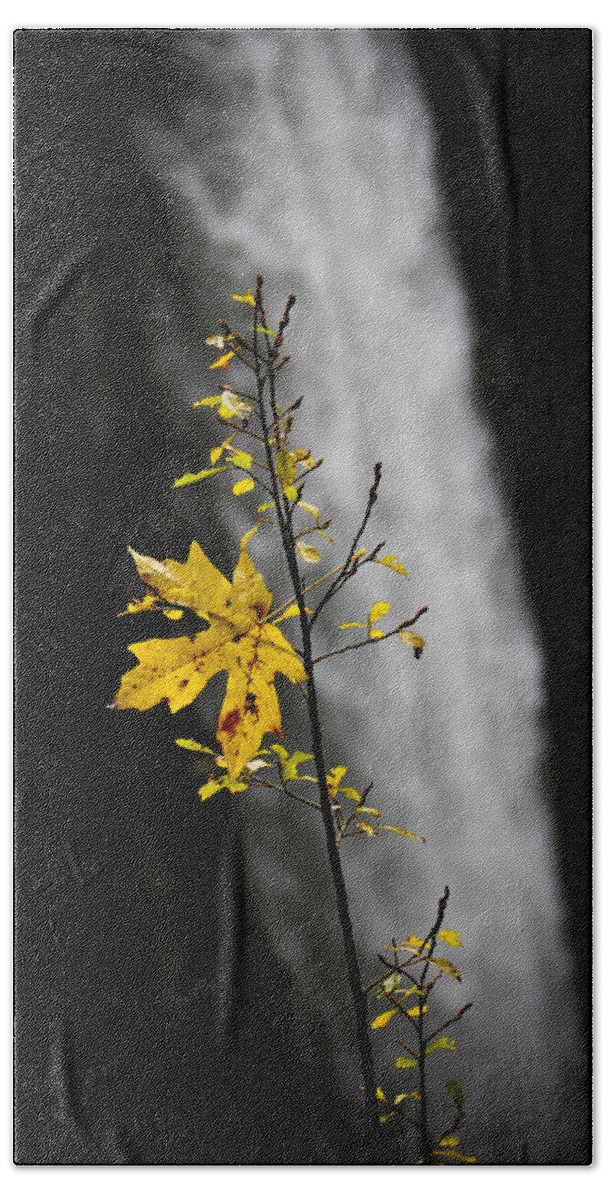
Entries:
{"x":310,"y":156}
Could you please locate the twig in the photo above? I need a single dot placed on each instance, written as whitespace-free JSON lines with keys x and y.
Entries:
{"x":371,"y":500}
{"x":372,"y":641}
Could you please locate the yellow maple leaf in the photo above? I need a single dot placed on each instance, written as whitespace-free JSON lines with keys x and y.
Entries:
{"x":238,"y":640}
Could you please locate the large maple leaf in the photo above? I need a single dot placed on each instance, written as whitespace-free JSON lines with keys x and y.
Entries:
{"x":238,"y":640}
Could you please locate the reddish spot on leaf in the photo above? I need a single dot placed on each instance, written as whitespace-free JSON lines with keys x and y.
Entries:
{"x":250,"y":703}
{"x":231,"y":722}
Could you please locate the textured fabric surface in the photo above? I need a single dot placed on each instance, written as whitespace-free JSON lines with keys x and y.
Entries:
{"x":427,"y":196}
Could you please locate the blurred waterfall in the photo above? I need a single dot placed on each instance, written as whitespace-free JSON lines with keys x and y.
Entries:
{"x":309,"y":156}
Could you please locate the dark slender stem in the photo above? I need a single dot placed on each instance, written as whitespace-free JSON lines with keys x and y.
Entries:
{"x":430,"y":940}
{"x":288,"y":540}
{"x":371,"y":500}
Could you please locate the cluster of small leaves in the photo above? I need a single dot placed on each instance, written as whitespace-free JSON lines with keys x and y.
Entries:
{"x":278,"y":769}
{"x":241,"y":633}
{"x":407,"y":985}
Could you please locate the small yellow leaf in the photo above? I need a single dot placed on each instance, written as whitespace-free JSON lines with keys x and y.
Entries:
{"x":207,"y":402}
{"x":383,"y":1018}
{"x":285,"y":463}
{"x":454,"y":1154}
{"x":374,"y":812}
{"x":231,"y":406}
{"x":415,"y":1011}
{"x":190,"y":744}
{"x":390,"y":560}
{"x":378,"y":610}
{"x":209,"y":789}
{"x":334,"y":777}
{"x":412,"y":639}
{"x":264,"y":507}
{"x":195,"y":478}
{"x":216,"y":451}
{"x":386,"y":1117}
{"x":442,"y":1043}
{"x":310,"y":508}
{"x":263,"y":329}
{"x":450,"y":1141}
{"x":216,"y":340}
{"x":444,"y":964}
{"x":406,"y":1096}
{"x":353,"y":625}
{"x":291,"y":611}
{"x":291,"y":494}
{"x":243,"y":485}
{"x":380,"y":1094}
{"x":406,"y":1062}
{"x":450,"y":936}
{"x":222,"y":361}
{"x":414,"y":941}
{"x":310,"y":554}
{"x":368,"y":829}
{"x":246,"y":299}
{"x":375,"y":634}
{"x":137,"y":606}
{"x":240,"y":459}
{"x":404,"y":833}
{"x":174,"y":614}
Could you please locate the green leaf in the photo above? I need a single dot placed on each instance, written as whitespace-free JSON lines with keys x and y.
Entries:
{"x":389,"y":984}
{"x":406,"y":1062}
{"x":383,"y":1018}
{"x":190,"y":478}
{"x":290,"y":768}
{"x":280,"y":750}
{"x":455,"y":1093}
{"x":442,"y":1043}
